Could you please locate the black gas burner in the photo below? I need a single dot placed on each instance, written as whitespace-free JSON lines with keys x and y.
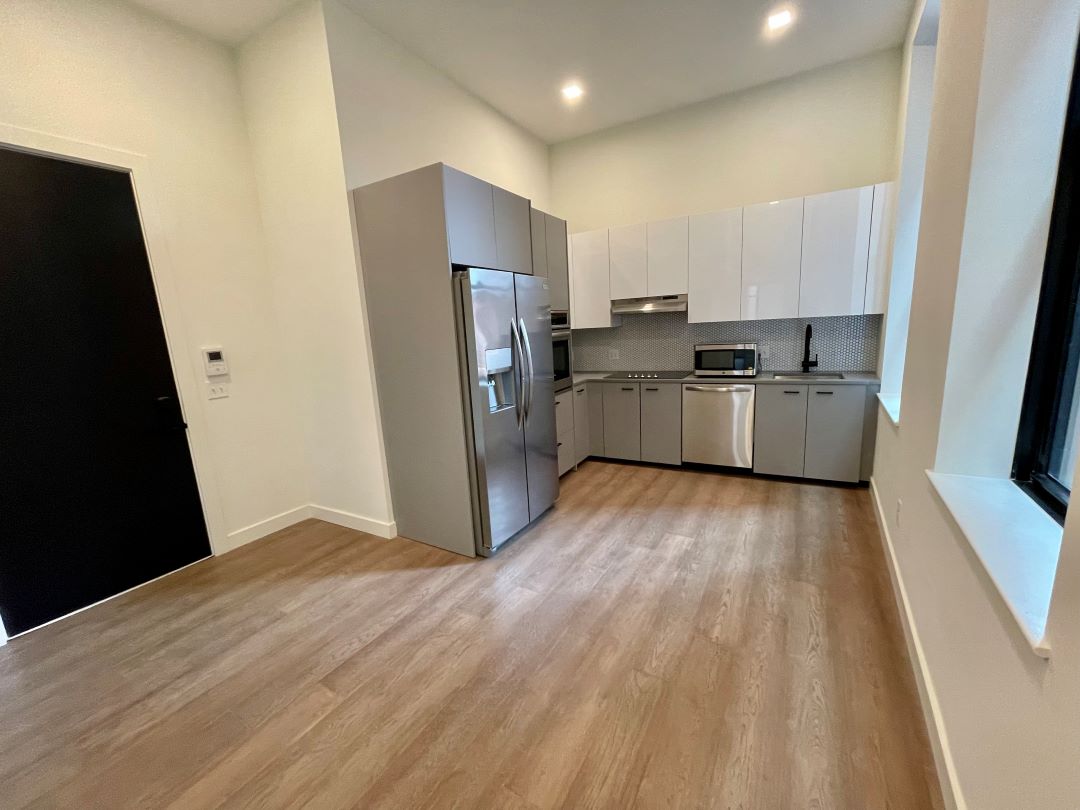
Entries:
{"x":648,"y":375}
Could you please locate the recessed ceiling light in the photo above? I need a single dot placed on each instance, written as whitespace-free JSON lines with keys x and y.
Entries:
{"x":572,"y":91}
{"x":779,"y":20}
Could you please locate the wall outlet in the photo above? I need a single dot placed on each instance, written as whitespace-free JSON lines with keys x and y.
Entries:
{"x":613,"y":354}
{"x":217,"y":390}
{"x":899,"y":506}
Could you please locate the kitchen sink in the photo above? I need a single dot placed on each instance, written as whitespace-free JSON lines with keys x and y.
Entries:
{"x":812,"y":375}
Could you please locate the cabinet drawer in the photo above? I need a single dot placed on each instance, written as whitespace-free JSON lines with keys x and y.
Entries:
{"x":564,"y":414}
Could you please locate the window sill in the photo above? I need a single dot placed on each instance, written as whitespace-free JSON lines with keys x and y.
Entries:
{"x":890,"y":403}
{"x":1014,"y":539}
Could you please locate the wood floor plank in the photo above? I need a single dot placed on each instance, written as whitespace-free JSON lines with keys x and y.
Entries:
{"x":664,"y":637}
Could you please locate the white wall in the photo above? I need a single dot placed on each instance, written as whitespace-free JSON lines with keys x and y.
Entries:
{"x":827,"y":129}
{"x":289,"y":98}
{"x":101,"y":72}
{"x":397,"y":113}
{"x":917,"y":94}
{"x":1007,"y":720}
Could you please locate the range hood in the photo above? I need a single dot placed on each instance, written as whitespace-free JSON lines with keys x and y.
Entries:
{"x":656,"y":303}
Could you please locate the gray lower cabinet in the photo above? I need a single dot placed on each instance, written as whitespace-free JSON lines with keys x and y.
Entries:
{"x":581,"y":423}
{"x":558,"y":271}
{"x":780,"y":429}
{"x":513,"y":233}
{"x":595,"y":396}
{"x":622,"y":421}
{"x":834,"y":432}
{"x":661,"y":423}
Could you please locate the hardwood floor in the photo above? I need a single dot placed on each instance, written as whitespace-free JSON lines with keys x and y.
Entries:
{"x":663,"y":638}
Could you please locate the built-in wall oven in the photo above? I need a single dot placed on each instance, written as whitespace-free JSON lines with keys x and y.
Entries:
{"x":561,"y":352}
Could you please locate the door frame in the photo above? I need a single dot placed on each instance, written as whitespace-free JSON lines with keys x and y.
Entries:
{"x":182,"y":360}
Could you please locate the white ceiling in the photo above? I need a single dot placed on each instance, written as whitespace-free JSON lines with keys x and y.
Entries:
{"x":634,"y":57}
{"x":229,"y":21}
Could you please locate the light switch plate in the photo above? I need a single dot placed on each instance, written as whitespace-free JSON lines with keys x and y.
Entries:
{"x":217,"y":390}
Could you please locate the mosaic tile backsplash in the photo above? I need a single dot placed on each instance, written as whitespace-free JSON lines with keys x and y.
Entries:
{"x":665,"y":342}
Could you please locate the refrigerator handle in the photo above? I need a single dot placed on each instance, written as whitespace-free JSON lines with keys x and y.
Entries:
{"x":528,"y":354}
{"x":519,"y":379}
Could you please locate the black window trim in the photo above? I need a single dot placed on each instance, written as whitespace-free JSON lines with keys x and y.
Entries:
{"x":1055,"y":347}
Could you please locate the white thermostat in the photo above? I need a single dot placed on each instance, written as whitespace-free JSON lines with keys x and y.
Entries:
{"x":214,"y":360}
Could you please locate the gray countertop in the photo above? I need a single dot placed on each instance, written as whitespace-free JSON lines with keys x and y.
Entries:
{"x":764,"y":378}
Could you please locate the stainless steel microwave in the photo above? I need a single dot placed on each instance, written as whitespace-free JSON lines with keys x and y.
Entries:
{"x":725,"y":360}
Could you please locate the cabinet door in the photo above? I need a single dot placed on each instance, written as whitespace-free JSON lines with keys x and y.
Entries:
{"x":715,"y":283}
{"x":661,"y":423}
{"x":780,"y":429}
{"x":596,"y":418}
{"x":834,"y":432}
{"x":564,"y":415}
{"x":772,"y":250}
{"x":879,"y":266}
{"x":622,"y":421}
{"x":668,"y":263}
{"x":581,"y":423}
{"x":538,"y":225}
{"x":470,"y":219}
{"x":628,"y":262}
{"x":592,"y":299}
{"x":565,"y":449}
{"x":557,"y":263}
{"x":835,"y":245}
{"x":513,"y":232}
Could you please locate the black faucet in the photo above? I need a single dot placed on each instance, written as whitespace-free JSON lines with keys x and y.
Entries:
{"x":807,"y":363}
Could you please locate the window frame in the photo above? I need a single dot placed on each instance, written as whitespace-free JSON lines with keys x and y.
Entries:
{"x":1055,"y":347}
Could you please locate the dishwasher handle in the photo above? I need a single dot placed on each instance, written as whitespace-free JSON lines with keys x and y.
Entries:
{"x":721,"y":389}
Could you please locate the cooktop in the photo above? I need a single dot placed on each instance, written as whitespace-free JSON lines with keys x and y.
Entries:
{"x":648,"y":375}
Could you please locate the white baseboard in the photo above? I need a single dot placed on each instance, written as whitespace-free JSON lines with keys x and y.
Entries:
{"x":353,"y":521}
{"x":293,"y":516}
{"x":939,"y":738}
{"x":264,"y":527}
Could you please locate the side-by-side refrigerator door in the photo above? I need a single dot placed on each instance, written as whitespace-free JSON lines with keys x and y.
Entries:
{"x":541,"y":453}
{"x":497,"y":385}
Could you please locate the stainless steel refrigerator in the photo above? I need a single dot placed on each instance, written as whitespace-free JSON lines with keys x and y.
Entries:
{"x":504,"y":338}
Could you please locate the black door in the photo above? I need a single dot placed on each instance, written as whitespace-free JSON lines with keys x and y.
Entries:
{"x":97,"y":487}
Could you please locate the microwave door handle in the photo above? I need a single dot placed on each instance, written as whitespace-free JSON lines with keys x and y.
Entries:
{"x":519,"y":379}
{"x":532,"y":368}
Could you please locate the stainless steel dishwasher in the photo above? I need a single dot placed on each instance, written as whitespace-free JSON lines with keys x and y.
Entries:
{"x":718,"y":424}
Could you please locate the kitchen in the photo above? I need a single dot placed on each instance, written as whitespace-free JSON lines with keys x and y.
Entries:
{"x":535,"y":405}
{"x":668,"y":343}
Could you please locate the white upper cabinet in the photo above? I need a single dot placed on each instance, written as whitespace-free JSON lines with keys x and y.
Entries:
{"x":835,"y":245}
{"x":772,"y":249}
{"x":589,"y":280}
{"x":878,"y":268}
{"x":667,"y":256}
{"x":470,"y":219}
{"x":715,"y":283}
{"x":628,"y":262}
